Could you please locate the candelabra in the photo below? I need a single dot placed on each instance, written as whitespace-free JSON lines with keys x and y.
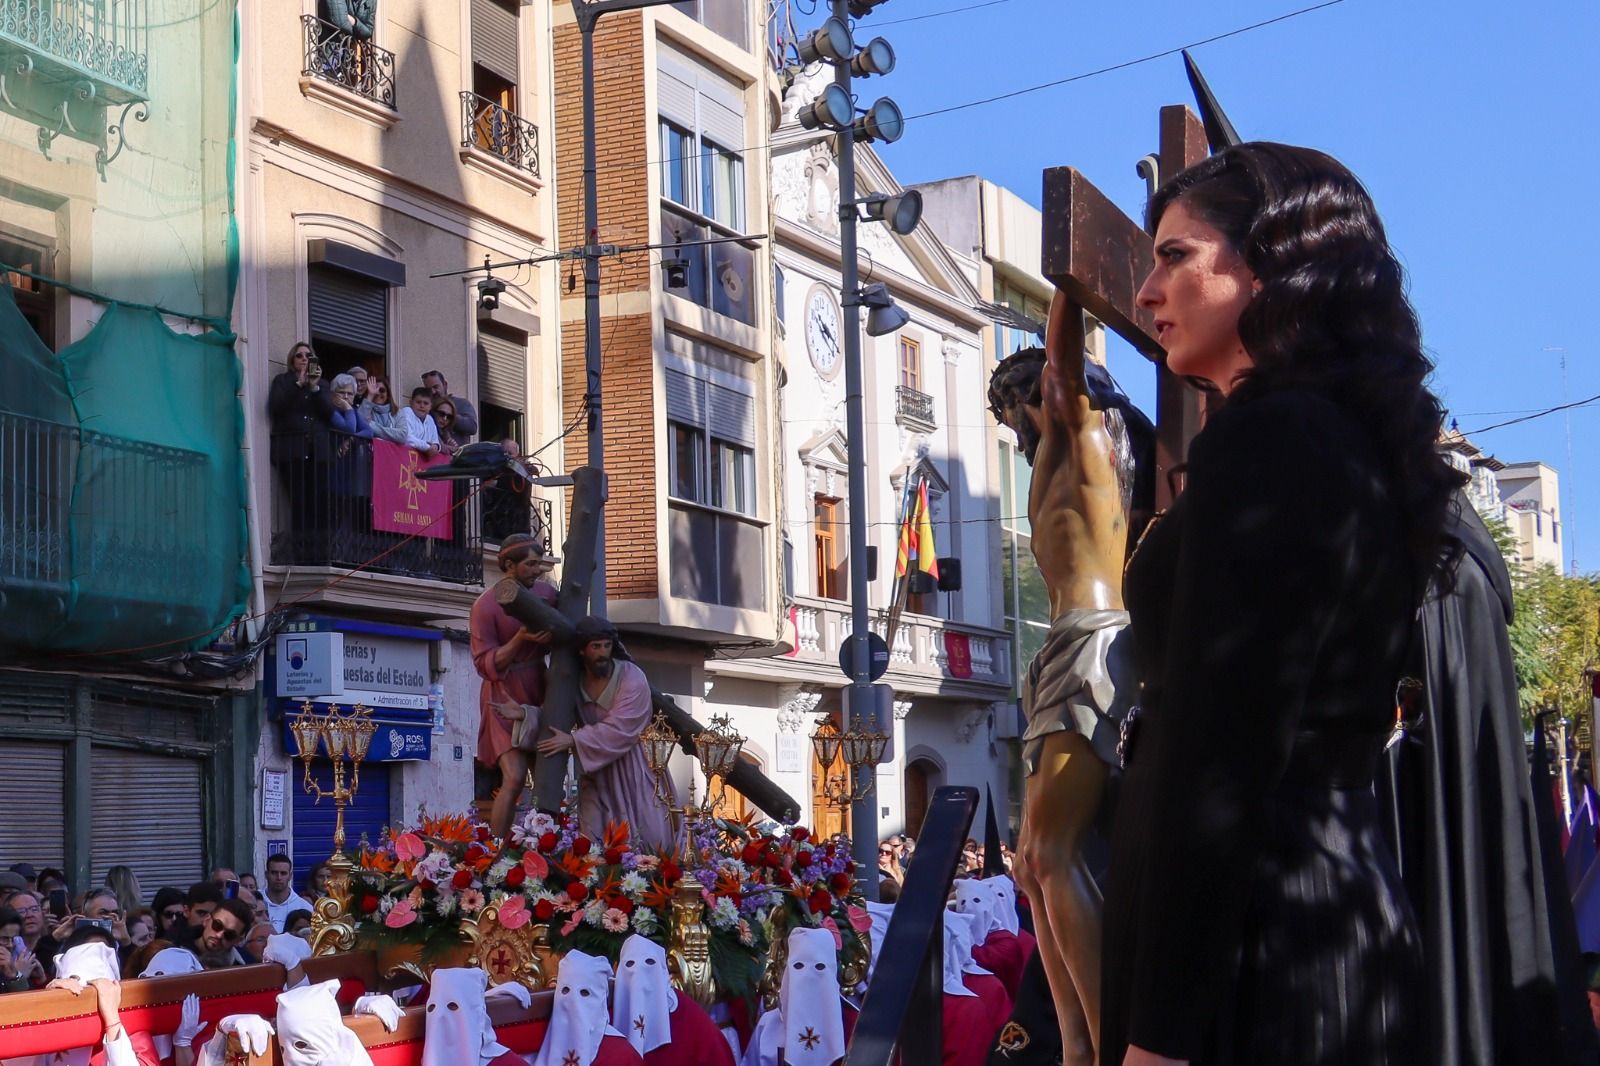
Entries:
{"x":717,"y":749}
{"x":345,"y":738}
{"x":862,"y":751}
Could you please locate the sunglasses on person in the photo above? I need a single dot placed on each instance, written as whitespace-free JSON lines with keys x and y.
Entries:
{"x":885,"y":851}
{"x":173,"y":914}
{"x":229,"y":934}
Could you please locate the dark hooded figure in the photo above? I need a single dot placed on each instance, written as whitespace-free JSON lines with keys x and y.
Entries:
{"x":1503,"y":988}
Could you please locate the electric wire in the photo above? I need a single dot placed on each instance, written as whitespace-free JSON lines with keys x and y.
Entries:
{"x":1536,"y":414}
{"x":938,"y":14}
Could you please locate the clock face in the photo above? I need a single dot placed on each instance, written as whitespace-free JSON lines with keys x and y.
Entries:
{"x":824,"y":337}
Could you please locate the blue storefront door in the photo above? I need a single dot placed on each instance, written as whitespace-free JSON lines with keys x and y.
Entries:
{"x":313,"y":821}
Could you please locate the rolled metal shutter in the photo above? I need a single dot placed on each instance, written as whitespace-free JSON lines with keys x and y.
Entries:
{"x":148,"y":812}
{"x":348,"y":309}
{"x":732,"y":415}
{"x":367,"y":814}
{"x":686,"y":399}
{"x":503,"y":368}
{"x":675,"y":92}
{"x":494,"y":38}
{"x":33,"y":795}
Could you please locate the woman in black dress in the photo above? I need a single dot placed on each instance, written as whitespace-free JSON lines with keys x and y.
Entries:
{"x":1253,"y":913}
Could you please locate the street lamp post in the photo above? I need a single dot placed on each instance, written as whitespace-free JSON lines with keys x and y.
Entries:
{"x":588,"y":13}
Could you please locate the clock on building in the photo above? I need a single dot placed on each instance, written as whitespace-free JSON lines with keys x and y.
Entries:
{"x":824,"y":334}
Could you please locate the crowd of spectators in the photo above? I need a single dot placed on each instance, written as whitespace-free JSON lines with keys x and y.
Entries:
{"x":319,"y":428}
{"x":222,"y":921}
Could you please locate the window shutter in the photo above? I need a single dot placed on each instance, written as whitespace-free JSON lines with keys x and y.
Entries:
{"x":503,"y":369}
{"x":148,"y":811}
{"x":494,"y":38}
{"x":33,"y":792}
{"x":731,"y":415}
{"x":722,"y":124}
{"x":675,"y":93}
{"x":686,"y":401}
{"x":348,"y":309}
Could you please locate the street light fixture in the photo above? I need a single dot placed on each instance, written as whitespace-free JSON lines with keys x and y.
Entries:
{"x":829,"y":42}
{"x":832,"y":109}
{"x":884,"y":316}
{"x":862,"y":8}
{"x":901,"y":213}
{"x":884,"y":121}
{"x":875,"y":57}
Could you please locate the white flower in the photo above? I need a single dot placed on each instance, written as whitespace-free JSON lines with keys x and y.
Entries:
{"x":644,"y":921}
{"x":634,"y":886}
{"x":539,"y":823}
{"x":594,"y":912}
{"x":436,"y":867}
{"x":498,"y":871}
{"x":724,"y":915}
{"x":446,"y":905}
{"x":385,"y":904}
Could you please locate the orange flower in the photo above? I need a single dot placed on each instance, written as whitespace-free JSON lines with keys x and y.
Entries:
{"x":377,"y":860}
{"x":576,"y":867}
{"x":615,"y":835}
{"x":657,"y":897}
{"x":449,"y":828}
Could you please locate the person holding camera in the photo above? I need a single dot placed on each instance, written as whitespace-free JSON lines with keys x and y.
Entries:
{"x":301,"y":412}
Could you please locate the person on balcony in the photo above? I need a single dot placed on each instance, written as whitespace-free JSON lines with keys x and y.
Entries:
{"x":466,"y":426}
{"x":508,"y":500}
{"x":346,"y":416}
{"x":355,"y":17}
{"x":421,"y":432}
{"x":510,"y":660}
{"x":381,"y":412}
{"x":300,"y":411}
{"x":444,"y":419}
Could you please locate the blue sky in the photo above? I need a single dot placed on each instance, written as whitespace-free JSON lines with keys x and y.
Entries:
{"x":1472,"y":123}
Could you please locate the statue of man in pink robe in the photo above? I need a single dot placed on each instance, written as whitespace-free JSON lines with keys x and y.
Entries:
{"x":614,"y":781}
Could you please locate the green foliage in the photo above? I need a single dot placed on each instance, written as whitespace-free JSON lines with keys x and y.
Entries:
{"x":1555,"y":640}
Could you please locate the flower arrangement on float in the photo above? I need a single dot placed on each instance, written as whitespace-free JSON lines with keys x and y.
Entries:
{"x":422,"y":886}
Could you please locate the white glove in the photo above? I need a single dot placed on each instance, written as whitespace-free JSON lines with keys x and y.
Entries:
{"x":511,"y":990}
{"x":190,"y":1025}
{"x":287,"y":950}
{"x":381,"y":1007}
{"x":255,"y":1035}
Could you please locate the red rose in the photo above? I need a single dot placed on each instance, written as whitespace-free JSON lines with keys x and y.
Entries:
{"x":369,"y":903}
{"x":820,"y":902}
{"x":800,"y":833}
{"x":613,"y":856}
{"x":772,"y":858}
{"x":670,"y":871}
{"x":580,"y":846}
{"x":840,"y":883}
{"x":850,"y":867}
{"x":577,"y":892}
{"x":622,"y":903}
{"x":482,"y":833}
{"x":548,"y":842}
{"x":425,"y":884}
{"x":515,"y":876}
{"x":828,"y":850}
{"x":544,"y":910}
{"x":461,"y":880}
{"x":751,"y":854}
{"x":803,"y":859}
{"x":785,"y":878}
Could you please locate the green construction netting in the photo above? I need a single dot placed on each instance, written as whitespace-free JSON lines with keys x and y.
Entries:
{"x":122,"y":512}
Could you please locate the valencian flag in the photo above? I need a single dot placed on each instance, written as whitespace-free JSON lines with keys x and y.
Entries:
{"x":916,"y":535}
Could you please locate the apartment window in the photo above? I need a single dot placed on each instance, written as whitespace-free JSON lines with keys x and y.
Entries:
{"x":1027,"y":601}
{"x":349,"y":317}
{"x":502,"y":381}
{"x":829,"y":567}
{"x":777,"y":293}
{"x":33,"y":297}
{"x":910,"y":364}
{"x":496,"y":48}
{"x":702,"y":135}
{"x":724,"y":17}
{"x":716,"y":540}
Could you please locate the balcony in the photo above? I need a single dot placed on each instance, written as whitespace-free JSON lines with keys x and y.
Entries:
{"x":508,"y":137}
{"x":64,"y":62}
{"x":328,"y":519}
{"x":931,"y":656}
{"x":353,"y":63}
{"x":95,"y":524}
{"x":73,"y":41}
{"x":913,"y":407}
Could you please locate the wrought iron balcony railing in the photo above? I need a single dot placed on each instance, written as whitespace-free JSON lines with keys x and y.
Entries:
{"x":95,"y":40}
{"x":355,"y":63}
{"x":327,"y":518}
{"x":913,"y":405}
{"x":487,"y":126}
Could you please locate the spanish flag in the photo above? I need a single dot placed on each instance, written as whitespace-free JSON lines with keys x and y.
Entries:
{"x":916,"y":537}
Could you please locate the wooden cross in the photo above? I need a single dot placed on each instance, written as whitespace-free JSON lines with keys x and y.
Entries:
{"x":1099,"y":257}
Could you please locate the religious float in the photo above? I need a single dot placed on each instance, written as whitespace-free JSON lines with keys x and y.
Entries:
{"x":444,"y":892}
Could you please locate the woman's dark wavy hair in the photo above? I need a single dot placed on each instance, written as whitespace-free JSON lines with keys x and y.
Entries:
{"x":1332,"y":313}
